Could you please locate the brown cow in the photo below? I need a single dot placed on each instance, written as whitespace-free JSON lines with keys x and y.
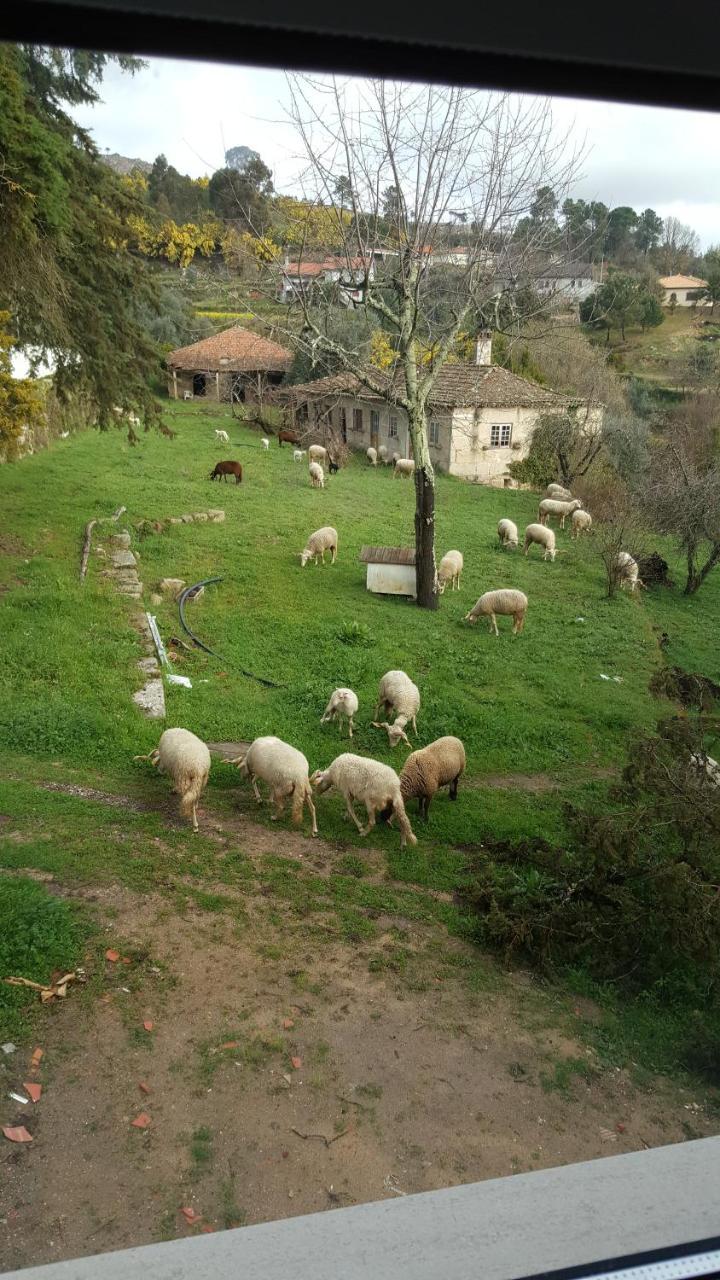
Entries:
{"x":288,"y":437}
{"x":225,"y":469}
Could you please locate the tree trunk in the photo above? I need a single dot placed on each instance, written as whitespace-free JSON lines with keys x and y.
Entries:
{"x":695,"y":579}
{"x":425,"y":572}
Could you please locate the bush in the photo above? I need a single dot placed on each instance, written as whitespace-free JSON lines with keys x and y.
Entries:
{"x":39,"y":935}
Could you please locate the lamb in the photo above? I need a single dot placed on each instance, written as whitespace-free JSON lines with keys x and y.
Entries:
{"x":544,"y":537}
{"x":317,"y":475}
{"x":265,"y":442}
{"x":222,"y":436}
{"x":187,"y":760}
{"x":556,"y":491}
{"x":375,"y":785}
{"x":450,"y":568}
{"x":396,"y":692}
{"x":504,"y":600}
{"x":628,"y":571}
{"x":187,"y":395}
{"x":403,"y":467}
{"x":553,"y":507}
{"x":507,"y":533}
{"x":318,"y":543}
{"x":343,"y":702}
{"x":317,"y":453}
{"x":581,"y":522}
{"x":286,"y":772}
{"x":440,"y":764}
{"x":298,"y":454}
{"x":371,"y":455}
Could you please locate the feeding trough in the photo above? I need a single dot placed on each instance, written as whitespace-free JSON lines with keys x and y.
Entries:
{"x":390,"y":570}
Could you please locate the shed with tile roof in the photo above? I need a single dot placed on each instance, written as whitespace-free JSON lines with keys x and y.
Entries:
{"x":235,"y":364}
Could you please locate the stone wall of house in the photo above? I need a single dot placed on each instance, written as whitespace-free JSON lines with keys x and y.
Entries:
{"x":474,"y":456}
{"x":218,"y":386}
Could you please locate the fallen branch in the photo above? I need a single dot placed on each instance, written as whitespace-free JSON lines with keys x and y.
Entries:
{"x":88,"y":537}
{"x":328,"y":1141}
{"x":56,"y":989}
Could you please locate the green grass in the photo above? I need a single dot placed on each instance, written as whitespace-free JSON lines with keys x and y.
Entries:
{"x":39,"y":935}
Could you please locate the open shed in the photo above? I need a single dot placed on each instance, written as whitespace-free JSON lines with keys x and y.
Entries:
{"x":235,"y":364}
{"x":390,"y":570}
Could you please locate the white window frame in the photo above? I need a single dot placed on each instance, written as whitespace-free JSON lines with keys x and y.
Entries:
{"x":502,"y":429}
{"x":434,"y":433}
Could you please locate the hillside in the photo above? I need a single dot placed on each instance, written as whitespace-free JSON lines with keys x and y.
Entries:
{"x":124,"y":164}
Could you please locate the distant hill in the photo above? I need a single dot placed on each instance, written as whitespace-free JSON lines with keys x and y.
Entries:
{"x":124,"y":164}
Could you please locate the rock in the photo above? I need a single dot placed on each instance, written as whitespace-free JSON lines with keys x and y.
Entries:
{"x":122,"y":560}
{"x":149,"y":666}
{"x":186,"y":519}
{"x":156,"y":598}
{"x":215,"y":516}
{"x":200,"y":517}
{"x":174,"y":520}
{"x":121,"y":541}
{"x":171,"y":586}
{"x":151,"y":699}
{"x":131,"y":590}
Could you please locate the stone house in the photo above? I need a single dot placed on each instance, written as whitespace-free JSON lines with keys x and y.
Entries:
{"x":683,"y":291}
{"x":480,"y":416}
{"x":236,"y":364}
{"x":350,"y":276}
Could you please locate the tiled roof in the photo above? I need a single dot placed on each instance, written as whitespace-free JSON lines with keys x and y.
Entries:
{"x":237,"y":350}
{"x":317,"y":268}
{"x":456,"y":386}
{"x":681,"y":282}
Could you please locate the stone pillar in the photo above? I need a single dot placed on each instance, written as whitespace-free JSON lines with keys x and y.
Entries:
{"x":217,"y":386}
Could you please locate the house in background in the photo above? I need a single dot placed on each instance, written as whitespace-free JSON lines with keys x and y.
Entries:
{"x":567,"y":281}
{"x":236,"y":364}
{"x":480,"y":416}
{"x":682,"y":291}
{"x":349,"y":274}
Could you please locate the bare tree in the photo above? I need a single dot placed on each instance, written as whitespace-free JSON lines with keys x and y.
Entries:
{"x":414,"y":158}
{"x":683,"y":498}
{"x":678,"y":246}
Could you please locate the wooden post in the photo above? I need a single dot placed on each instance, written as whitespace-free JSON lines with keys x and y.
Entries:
{"x":175,"y":389}
{"x":217,"y":386}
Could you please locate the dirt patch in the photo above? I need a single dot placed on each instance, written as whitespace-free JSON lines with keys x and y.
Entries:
{"x":539,"y":782}
{"x":90,"y":793}
{"x":11,"y":545}
{"x":228,"y":750}
{"x":406,"y":1077}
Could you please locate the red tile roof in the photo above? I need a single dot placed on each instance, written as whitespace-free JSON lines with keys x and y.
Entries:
{"x":317,"y":268}
{"x":238,"y":350}
{"x":456,"y":386}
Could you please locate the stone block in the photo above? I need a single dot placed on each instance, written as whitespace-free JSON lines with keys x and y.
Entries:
{"x":151,"y":699}
{"x":216,"y":517}
{"x":200,"y":517}
{"x":186,"y":519}
{"x":171,"y":586}
{"x":122,"y":560}
{"x":121,"y":541}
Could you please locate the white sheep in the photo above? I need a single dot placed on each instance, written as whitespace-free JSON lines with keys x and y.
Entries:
{"x":581,"y":522}
{"x":440,"y":764}
{"x":265,"y":442}
{"x":285,"y":771}
{"x":504,"y":600}
{"x":317,"y":475}
{"x":317,"y":453}
{"x":343,"y":702}
{"x":705,"y":768}
{"x":557,"y":491}
{"x":449,"y":570}
{"x":223,"y":436}
{"x":186,"y":760}
{"x":554,"y":507}
{"x":544,"y":537}
{"x":299,"y":454}
{"x":187,"y":395}
{"x":403,"y":467}
{"x":322,"y":540}
{"x":382,"y":453}
{"x":507,"y":533}
{"x":628,"y":571}
{"x":395,"y":458}
{"x":373,"y":784}
{"x":371,"y":455}
{"x":396,"y":692}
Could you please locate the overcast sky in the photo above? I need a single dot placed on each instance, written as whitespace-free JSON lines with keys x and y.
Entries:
{"x":192,"y":112}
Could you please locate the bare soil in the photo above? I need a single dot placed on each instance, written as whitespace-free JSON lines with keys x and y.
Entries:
{"x":407,"y":1076}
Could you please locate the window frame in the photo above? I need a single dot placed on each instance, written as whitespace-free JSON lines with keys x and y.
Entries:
{"x":434,"y":427}
{"x":500,"y":427}
{"x":392,"y":427}
{"x":358,"y":420}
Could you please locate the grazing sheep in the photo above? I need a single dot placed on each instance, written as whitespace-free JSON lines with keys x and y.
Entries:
{"x":265,"y":442}
{"x":299,"y":454}
{"x":507,"y":533}
{"x":581,"y":522}
{"x":318,"y":543}
{"x":504,"y":600}
{"x":553,"y":507}
{"x":557,"y":491}
{"x":403,"y":467}
{"x":223,"y":436}
{"x":438,"y":765}
{"x":451,"y":566}
{"x":371,"y":455}
{"x":187,"y":761}
{"x":343,"y":702}
{"x":225,"y":469}
{"x":317,"y":453}
{"x":544,"y":537}
{"x":373,"y":784}
{"x":317,"y":475}
{"x":395,"y":458}
{"x":382,"y":453}
{"x":705,"y":768}
{"x":286,"y":772}
{"x":396,"y":692}
{"x":628,"y":571}
{"x":287,"y":437}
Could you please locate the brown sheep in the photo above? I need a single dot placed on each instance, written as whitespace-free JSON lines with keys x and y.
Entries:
{"x":438,"y":765}
{"x":225,"y":469}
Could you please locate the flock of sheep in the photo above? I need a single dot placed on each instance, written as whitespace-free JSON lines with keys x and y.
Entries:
{"x":359,"y":779}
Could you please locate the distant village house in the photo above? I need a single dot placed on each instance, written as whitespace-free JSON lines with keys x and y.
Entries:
{"x":348,"y":274}
{"x":236,"y":364}
{"x":480,"y":416}
{"x":682,"y":291}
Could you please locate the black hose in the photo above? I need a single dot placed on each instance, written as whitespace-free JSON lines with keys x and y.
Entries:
{"x":181,"y":607}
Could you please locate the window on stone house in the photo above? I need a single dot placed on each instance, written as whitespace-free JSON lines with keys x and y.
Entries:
{"x":500,"y":434}
{"x":434,"y":433}
{"x":392,"y":427}
{"x":357,"y":419}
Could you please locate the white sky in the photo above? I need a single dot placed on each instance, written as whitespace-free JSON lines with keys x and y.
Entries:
{"x":641,"y":156}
